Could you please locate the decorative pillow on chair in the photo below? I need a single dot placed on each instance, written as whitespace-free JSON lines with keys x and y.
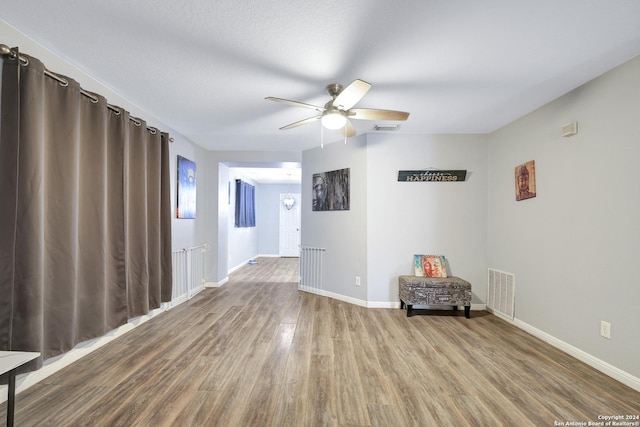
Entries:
{"x":429,"y":265}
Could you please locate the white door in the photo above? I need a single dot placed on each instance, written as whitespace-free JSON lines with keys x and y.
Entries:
{"x":290,"y":225}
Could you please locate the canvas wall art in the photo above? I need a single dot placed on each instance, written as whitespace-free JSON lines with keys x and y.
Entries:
{"x":525,"y":180}
{"x":330,"y":191}
{"x":186,"y":189}
{"x":429,"y":266}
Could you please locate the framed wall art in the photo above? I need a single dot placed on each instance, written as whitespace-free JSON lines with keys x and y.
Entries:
{"x":525,"y":175}
{"x":330,"y":191}
{"x":186,"y":189}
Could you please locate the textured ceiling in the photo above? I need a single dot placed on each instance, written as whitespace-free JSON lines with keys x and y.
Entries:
{"x":204,"y":67}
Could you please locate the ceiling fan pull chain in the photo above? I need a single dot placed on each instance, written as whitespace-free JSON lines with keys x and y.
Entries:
{"x":322,"y":137}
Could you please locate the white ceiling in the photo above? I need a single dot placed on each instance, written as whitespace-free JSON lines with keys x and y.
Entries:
{"x":273,"y":175}
{"x":204,"y":67}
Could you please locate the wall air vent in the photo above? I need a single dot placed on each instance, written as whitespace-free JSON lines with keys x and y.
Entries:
{"x":386,"y":127}
{"x":569,"y":129}
{"x":501,"y":292}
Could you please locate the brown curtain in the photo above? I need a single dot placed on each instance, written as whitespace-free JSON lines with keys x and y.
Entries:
{"x":84,"y":213}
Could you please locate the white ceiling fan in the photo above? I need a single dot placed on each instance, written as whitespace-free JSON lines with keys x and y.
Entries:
{"x":336,"y":113}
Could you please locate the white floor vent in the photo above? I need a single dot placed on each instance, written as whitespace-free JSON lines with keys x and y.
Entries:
{"x":501,"y":293}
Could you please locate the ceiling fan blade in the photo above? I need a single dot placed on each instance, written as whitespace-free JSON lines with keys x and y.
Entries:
{"x":301,"y":122}
{"x":375,"y":114}
{"x":351,"y":94}
{"x":295,"y":103}
{"x":348,"y":129}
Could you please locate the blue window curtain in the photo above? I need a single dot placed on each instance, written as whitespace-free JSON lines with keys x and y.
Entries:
{"x":245,"y":204}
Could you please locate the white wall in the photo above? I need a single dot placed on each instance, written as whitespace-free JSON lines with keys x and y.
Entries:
{"x":243,"y":241}
{"x":342,"y":233}
{"x":574,"y":247}
{"x":407,"y":218}
{"x":217,"y":226}
{"x":185,"y":232}
{"x":390,"y":221}
{"x":217,"y":230}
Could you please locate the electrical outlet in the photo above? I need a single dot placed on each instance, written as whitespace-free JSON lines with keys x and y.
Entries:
{"x":357,"y":280}
{"x":605,"y":329}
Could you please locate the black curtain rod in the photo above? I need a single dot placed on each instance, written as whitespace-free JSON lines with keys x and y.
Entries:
{"x":7,"y":51}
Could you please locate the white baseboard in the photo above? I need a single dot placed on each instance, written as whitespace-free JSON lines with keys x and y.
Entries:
{"x":396,"y":304}
{"x":245,"y":262}
{"x":54,"y":364}
{"x":350,"y":300}
{"x":239,"y":266}
{"x":602,"y":366}
{"x":242,"y":264}
{"x":333,"y":295}
{"x":216,"y":284}
{"x":382,"y":304}
{"x":370,"y":304}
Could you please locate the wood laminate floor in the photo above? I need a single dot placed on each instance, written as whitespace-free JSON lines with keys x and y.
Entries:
{"x":258,"y":352}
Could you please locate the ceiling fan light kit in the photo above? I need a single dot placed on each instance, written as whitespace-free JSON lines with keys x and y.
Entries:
{"x":333,"y":120}
{"x":337,"y":112}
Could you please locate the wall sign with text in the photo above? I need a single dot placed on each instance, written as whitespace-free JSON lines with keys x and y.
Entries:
{"x":432,"y":176}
